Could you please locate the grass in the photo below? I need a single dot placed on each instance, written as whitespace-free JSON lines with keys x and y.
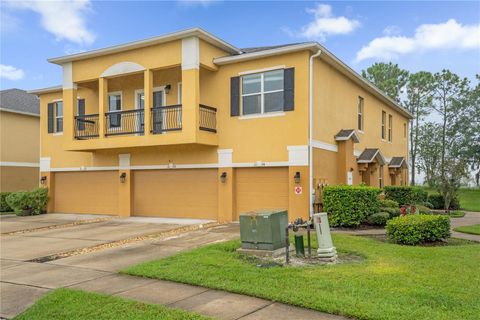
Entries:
{"x":469,"y":198}
{"x":76,"y":305}
{"x":392,"y":282}
{"x":473,"y":229}
{"x":8,"y":212}
{"x":457,"y":214}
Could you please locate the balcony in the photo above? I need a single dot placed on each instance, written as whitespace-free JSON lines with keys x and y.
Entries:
{"x":131,"y":122}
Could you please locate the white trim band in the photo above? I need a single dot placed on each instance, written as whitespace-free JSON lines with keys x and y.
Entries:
{"x":19,"y":164}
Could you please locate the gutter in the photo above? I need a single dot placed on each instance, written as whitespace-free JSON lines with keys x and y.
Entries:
{"x":310,"y":133}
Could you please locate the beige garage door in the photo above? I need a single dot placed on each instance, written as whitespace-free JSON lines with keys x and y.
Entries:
{"x":261,"y":188}
{"x":189,"y":193}
{"x":86,"y":192}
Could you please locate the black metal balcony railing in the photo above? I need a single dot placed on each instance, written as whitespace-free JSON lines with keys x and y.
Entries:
{"x":124,"y":122}
{"x":208,"y":118}
{"x":86,"y":126}
{"x":166,"y":118}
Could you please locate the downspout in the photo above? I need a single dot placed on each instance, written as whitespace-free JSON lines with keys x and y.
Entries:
{"x":310,"y":133}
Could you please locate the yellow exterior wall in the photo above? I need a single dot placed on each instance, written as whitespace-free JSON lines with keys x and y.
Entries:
{"x":18,"y":178}
{"x":335,"y":108}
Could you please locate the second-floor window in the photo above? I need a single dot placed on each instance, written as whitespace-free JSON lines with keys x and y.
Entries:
{"x":114,"y":104}
{"x":390,"y":121}
{"x":262,"y":92}
{"x":360,"y":113}
{"x":384,"y":120}
{"x":59,"y":116}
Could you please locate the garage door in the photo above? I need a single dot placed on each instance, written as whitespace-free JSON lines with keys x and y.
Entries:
{"x":86,"y":192}
{"x":189,"y":193}
{"x":261,"y":188}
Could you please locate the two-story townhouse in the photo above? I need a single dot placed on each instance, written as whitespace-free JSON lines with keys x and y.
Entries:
{"x":186,"y":125}
{"x":19,"y":140}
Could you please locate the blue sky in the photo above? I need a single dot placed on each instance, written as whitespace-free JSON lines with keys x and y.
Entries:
{"x":416,"y":35}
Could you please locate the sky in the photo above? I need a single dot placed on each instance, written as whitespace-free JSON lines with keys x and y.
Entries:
{"x":423,"y":35}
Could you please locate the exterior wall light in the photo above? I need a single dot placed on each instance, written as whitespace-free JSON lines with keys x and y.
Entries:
{"x":123,"y":176}
{"x":223,"y":177}
{"x":43,"y":180}
{"x":296,"y":177}
{"x":167,"y":88}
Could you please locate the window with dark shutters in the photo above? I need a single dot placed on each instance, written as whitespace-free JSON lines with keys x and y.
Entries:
{"x":50,"y":118}
{"x":288,"y":89}
{"x":235,"y":96}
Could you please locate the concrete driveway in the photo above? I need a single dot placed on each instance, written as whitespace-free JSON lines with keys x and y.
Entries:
{"x":25,"y":240}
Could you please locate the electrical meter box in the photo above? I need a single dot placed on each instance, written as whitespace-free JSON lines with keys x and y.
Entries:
{"x":263,"y":230}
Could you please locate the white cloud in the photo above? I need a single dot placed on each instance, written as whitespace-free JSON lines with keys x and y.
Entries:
{"x":63,"y":18}
{"x":10,"y":72}
{"x":325,"y":24}
{"x":451,"y":35}
{"x":392,"y":30}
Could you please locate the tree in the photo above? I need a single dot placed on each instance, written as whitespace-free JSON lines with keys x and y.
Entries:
{"x":429,"y":151}
{"x":450,"y":101}
{"x":419,"y":98}
{"x":448,"y":182}
{"x":388,"y":77}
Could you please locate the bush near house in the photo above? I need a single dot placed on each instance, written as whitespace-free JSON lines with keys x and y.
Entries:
{"x":34,"y":202}
{"x":348,"y":206}
{"x":418,"y":229}
{"x":4,"y":207}
{"x":378,"y":219}
{"x":393,"y":212}
{"x":385,"y":203}
{"x":405,"y":194}
{"x":438,"y":202}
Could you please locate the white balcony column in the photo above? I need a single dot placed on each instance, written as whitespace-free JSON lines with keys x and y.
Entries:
{"x":148,"y":100}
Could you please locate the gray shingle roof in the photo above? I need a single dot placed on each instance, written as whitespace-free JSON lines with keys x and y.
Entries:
{"x":370,"y":155}
{"x":20,"y":101}
{"x":346,"y":134}
{"x":257,"y":49}
{"x":397,"y":162}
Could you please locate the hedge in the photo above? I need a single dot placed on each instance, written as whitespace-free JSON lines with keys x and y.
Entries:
{"x":438,"y":202}
{"x":34,"y":201}
{"x":405,"y":194}
{"x":4,"y":207}
{"x":388,"y":203}
{"x":378,"y":219}
{"x":417,"y":229}
{"x":348,"y":206}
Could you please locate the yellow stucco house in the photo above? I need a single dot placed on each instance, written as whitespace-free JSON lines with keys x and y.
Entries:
{"x":19,"y":140}
{"x":187,"y":125}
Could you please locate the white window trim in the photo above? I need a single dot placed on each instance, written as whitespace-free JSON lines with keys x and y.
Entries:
{"x":57,"y":133}
{"x":390,"y":129}
{"x":360,"y":98}
{"x":383,"y":132}
{"x":114,"y":93}
{"x":262,"y":96}
{"x":262,"y":115}
{"x":243,"y":73}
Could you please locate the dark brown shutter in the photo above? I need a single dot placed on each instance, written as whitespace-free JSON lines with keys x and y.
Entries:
{"x":288,"y":89}
{"x":81,"y":114}
{"x":235,"y":96}
{"x":50,"y":119}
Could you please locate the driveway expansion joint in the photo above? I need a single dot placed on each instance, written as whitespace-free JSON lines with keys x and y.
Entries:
{"x":57,"y":226}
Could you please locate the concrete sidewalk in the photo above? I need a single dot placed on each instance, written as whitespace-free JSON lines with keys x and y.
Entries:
{"x":23,"y":283}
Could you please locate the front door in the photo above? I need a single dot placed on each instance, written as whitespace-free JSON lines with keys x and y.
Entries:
{"x":140,"y":117}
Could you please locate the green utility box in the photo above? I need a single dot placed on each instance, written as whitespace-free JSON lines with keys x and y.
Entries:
{"x":263,"y":230}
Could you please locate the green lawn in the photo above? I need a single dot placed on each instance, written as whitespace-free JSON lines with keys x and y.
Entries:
{"x":8,"y":212}
{"x":473,"y":229}
{"x":469,"y":198}
{"x":75,"y":305}
{"x":393,"y":282}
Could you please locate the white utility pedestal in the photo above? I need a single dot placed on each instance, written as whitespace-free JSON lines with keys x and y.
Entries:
{"x":326,"y":250}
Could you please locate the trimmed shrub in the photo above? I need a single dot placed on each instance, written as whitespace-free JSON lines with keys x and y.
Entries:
{"x":388,"y":203}
{"x":405,"y":194}
{"x":378,"y":219}
{"x":393,"y":212}
{"x":4,"y":207}
{"x":417,"y":229}
{"x":424,"y":210}
{"x":35,"y":201}
{"x":438,"y":202}
{"x":348,"y":206}
{"x":427,"y":204}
